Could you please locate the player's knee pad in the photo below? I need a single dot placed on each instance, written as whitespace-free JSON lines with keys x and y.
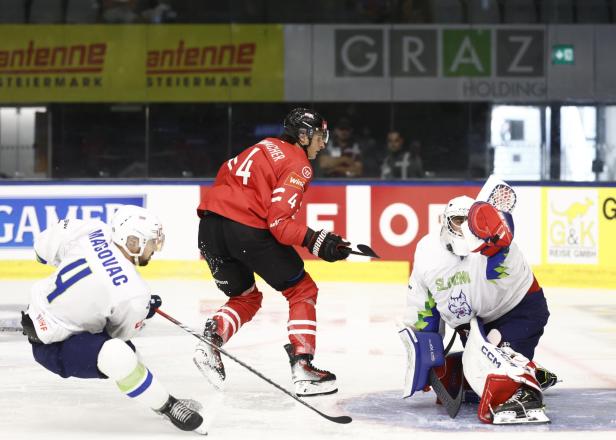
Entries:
{"x":116,"y":359}
{"x":282,"y":285}
{"x":251,"y":298}
{"x":304,"y":289}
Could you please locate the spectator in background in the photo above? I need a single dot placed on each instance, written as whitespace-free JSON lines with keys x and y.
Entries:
{"x":372,"y":153}
{"x":401,"y":163}
{"x":342,"y":156}
{"x":414,"y":11}
{"x":120,"y":11}
{"x":158,"y":11}
{"x":374,"y":11}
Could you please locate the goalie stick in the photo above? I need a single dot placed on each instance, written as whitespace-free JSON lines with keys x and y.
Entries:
{"x":338,"y":419}
{"x":452,"y":405}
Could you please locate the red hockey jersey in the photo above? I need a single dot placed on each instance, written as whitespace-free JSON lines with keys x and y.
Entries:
{"x":263,"y":187}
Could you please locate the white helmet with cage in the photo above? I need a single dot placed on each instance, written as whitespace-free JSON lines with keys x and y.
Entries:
{"x":454,"y":215}
{"x":134,"y":221}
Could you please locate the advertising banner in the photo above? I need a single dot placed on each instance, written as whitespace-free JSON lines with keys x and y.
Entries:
{"x":566,"y":233}
{"x":431,"y":63}
{"x":390,"y":219}
{"x":577,"y":234}
{"x":25,"y":217}
{"x":138,"y":63}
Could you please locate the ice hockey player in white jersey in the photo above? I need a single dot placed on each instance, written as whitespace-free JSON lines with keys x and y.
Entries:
{"x":471,"y":276}
{"x":81,"y":318}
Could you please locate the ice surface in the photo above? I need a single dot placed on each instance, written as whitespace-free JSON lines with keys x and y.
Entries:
{"x":357,"y":340}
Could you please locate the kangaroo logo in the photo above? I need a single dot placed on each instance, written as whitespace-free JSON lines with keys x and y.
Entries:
{"x":577,"y":209}
{"x":459,"y":306}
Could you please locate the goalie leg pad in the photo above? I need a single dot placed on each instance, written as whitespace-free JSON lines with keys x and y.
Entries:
{"x":424,"y":350}
{"x":495,"y":373}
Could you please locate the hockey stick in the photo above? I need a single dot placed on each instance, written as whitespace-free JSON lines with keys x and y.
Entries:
{"x":364,"y":250}
{"x":11,"y":329}
{"x":339,"y":419}
{"x":452,"y":405}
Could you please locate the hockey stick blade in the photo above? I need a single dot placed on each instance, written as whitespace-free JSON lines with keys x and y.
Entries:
{"x":367,"y":250}
{"x":11,"y":329}
{"x":363,"y":250}
{"x":338,"y":419}
{"x":452,"y":406}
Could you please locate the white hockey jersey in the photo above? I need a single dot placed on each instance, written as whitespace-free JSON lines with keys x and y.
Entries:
{"x":94,"y":288}
{"x":463,"y":287}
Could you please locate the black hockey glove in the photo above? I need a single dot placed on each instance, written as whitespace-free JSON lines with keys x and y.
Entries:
{"x":28,"y":330}
{"x":326,"y":245}
{"x":155,"y":303}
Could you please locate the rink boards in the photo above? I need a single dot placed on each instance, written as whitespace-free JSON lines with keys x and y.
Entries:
{"x":566,"y":231}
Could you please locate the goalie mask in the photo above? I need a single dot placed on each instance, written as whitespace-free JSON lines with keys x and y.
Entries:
{"x":302,"y":121}
{"x":136,"y":225}
{"x":454,"y":215}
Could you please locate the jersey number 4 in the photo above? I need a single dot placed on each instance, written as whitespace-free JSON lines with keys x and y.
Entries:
{"x":244,"y":169}
{"x":62,"y":285}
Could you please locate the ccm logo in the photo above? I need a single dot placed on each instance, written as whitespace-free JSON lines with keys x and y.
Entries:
{"x":487,"y":353}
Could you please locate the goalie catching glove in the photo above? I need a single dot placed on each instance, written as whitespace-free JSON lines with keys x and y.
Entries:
{"x":487,"y":230}
{"x":326,"y":245}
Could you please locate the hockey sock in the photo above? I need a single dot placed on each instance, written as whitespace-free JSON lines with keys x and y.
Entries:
{"x":117,"y":361}
{"x":236,"y":312}
{"x":302,"y":325}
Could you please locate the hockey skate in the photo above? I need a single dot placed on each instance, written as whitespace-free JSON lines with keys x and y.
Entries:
{"x":546,"y":378}
{"x":308,"y":380}
{"x":525,"y":406}
{"x":207,"y":358}
{"x":184,"y":414}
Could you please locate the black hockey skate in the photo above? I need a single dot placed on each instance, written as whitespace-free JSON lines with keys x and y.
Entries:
{"x":207,"y":358}
{"x":180,"y":413}
{"x":546,"y":378}
{"x":308,"y":380}
{"x":525,"y":406}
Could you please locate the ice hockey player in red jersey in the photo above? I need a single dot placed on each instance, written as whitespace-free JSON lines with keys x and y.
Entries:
{"x":247,"y":227}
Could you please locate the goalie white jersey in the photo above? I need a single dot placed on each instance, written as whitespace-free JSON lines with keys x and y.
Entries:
{"x":464,"y":287}
{"x":94,"y":287}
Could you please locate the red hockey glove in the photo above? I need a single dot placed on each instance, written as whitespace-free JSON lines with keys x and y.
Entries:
{"x":488,"y":224}
{"x":326,"y":245}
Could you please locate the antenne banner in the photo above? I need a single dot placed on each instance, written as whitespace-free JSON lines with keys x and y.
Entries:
{"x":139,"y":63}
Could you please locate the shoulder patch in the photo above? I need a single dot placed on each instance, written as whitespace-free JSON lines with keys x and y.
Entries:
{"x":295,"y":180}
{"x":307,"y":172}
